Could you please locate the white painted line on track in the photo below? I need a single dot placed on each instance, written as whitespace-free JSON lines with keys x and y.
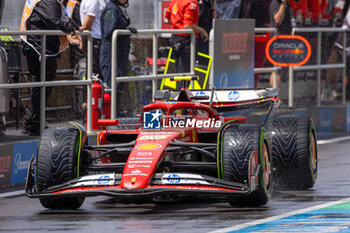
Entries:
{"x":256,"y":222}
{"x":11,"y":194}
{"x":333,"y":140}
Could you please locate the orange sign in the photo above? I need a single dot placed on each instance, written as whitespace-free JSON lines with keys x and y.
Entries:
{"x":288,"y":50}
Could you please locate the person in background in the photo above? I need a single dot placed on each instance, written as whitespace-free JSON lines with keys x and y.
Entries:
{"x":183,"y":14}
{"x":114,"y":17}
{"x":280,"y":18}
{"x":90,"y":15}
{"x":2,"y":126}
{"x":314,"y":7}
{"x":340,"y":47}
{"x":42,"y":15}
{"x":73,"y":12}
{"x":205,"y":21}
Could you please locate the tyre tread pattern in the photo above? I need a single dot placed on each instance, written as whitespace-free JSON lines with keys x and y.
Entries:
{"x":55,"y":165}
{"x":239,"y":142}
{"x":57,"y":168}
{"x":290,"y":152}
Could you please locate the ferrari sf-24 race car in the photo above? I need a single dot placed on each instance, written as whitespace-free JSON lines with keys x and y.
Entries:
{"x":213,"y":142}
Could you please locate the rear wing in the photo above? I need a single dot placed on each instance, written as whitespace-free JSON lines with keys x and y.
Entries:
{"x":235,"y":95}
{"x":221,"y":98}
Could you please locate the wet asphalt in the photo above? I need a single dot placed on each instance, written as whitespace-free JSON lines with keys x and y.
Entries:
{"x":103,"y":214}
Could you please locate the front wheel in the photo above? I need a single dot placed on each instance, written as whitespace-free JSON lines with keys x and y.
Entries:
{"x":244,"y":147}
{"x":58,"y":161}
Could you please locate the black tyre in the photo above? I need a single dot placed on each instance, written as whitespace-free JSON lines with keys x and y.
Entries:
{"x":294,"y":152}
{"x":239,"y":143}
{"x":58,"y":162}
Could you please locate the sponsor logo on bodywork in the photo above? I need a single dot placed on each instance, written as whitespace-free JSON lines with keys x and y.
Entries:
{"x":136,"y":172}
{"x":153,"y":137}
{"x":141,"y":158}
{"x":233,"y":95}
{"x":173,"y":178}
{"x":104,"y":180}
{"x":140,"y":162}
{"x":138,"y":165}
{"x":200,"y":93}
{"x":144,"y":153}
{"x":148,"y":146}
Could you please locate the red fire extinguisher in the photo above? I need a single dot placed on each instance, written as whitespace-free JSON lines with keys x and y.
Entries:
{"x":101,"y":108}
{"x":106,"y":107}
{"x":96,"y":103}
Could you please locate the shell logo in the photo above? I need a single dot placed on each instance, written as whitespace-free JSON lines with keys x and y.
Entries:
{"x":148,"y":146}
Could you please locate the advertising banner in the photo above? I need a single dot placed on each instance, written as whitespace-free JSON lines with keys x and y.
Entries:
{"x":347,"y":118}
{"x":325,"y":122}
{"x":22,"y":153}
{"x":339,"y":117}
{"x":288,"y":50}
{"x":5,"y":165}
{"x":233,"y":53}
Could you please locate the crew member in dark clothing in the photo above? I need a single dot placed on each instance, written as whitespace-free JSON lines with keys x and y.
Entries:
{"x":42,"y":15}
{"x":183,"y":14}
{"x":205,"y":21}
{"x":114,"y":17}
{"x":280,"y":18}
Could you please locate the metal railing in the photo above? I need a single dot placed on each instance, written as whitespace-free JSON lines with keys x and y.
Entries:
{"x":43,"y":84}
{"x":154,"y":77}
{"x":265,"y":70}
{"x":319,"y":66}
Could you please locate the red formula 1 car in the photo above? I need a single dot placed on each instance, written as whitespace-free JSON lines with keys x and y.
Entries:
{"x":213,"y":142}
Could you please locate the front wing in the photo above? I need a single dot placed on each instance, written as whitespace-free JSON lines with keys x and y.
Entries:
{"x":108,"y":184}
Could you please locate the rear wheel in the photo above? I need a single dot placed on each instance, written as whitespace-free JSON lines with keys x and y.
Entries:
{"x":294,"y":152}
{"x":243,"y":148}
{"x":58,"y":161}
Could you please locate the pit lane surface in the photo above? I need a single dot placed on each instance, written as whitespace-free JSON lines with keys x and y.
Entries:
{"x":103,"y":214}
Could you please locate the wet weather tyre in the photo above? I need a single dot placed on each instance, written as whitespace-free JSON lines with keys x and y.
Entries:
{"x":239,"y":143}
{"x":294,"y":152}
{"x":57,"y":164}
